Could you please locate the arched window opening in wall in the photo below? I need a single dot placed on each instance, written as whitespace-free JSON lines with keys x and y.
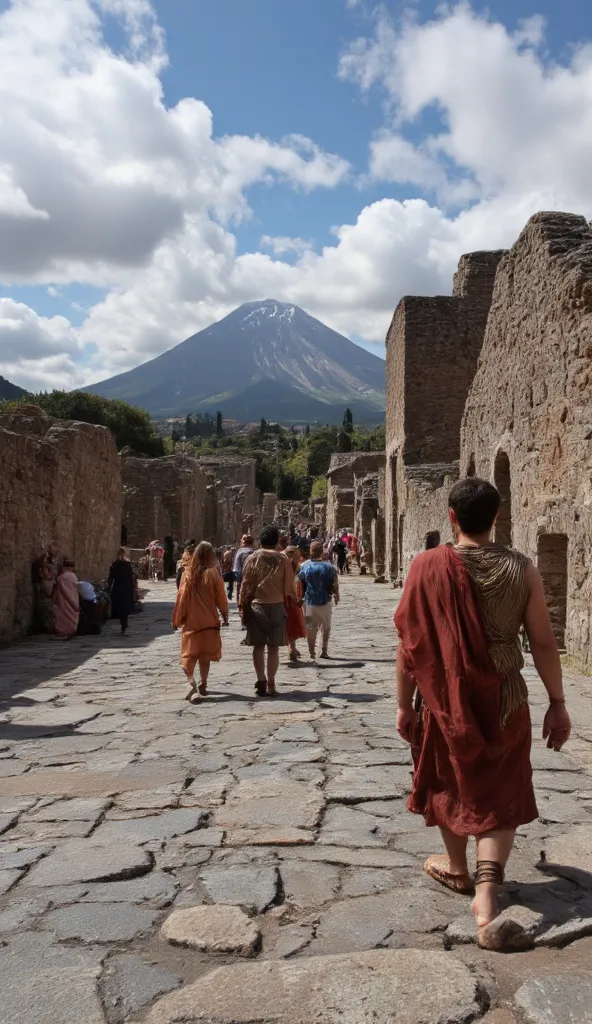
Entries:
{"x":552,"y":564}
{"x":471,"y":466}
{"x":502,"y":480}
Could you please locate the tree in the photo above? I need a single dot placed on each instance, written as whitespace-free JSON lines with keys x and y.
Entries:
{"x":262,"y":427}
{"x":131,"y":427}
{"x":348,"y":421}
{"x":344,"y":441}
{"x":320,"y":451}
{"x":219,"y":430}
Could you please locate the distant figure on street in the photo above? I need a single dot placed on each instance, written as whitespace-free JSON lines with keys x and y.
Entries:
{"x":226,"y":565}
{"x":268,"y":582}
{"x":458,"y":622}
{"x":168,"y":559}
{"x":432,"y":540}
{"x":320,"y":586}
{"x":283,"y":542}
{"x":295,"y":622}
{"x":200,"y":603}
{"x":340,"y":552}
{"x":188,"y":549}
{"x":66,"y":601}
{"x":245,"y":551}
{"x":122,"y":587}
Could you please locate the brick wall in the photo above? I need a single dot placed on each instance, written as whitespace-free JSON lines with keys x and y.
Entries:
{"x":164,"y":497}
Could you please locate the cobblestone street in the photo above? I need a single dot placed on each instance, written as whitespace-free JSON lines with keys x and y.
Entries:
{"x":245,"y":860}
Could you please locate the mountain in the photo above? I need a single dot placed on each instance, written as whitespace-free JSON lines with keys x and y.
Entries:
{"x":258,"y":343}
{"x":274,"y":400}
{"x":10,"y":391}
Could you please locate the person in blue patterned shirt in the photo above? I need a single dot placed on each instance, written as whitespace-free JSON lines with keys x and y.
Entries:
{"x":320,"y":586}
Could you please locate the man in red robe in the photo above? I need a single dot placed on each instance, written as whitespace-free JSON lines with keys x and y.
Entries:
{"x":458,"y":622}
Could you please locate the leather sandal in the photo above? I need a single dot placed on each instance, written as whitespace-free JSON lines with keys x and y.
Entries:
{"x":261,"y":687}
{"x":437,"y":867}
{"x":488,"y":871}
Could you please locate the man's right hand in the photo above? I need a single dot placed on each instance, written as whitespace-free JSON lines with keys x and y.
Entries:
{"x":406,"y":723}
{"x":557,"y":726}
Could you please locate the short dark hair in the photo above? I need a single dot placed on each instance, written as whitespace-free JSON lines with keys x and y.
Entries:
{"x":248,"y":540}
{"x":316,"y":549}
{"x":475,"y":504}
{"x":432,"y":539}
{"x":269,"y":537}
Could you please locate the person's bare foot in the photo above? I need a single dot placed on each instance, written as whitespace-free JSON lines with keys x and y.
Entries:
{"x":191,"y":690}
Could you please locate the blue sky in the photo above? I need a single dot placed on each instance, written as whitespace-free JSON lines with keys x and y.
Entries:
{"x":430,"y":131}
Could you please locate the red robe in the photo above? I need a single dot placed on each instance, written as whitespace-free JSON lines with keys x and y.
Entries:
{"x":471,"y":775}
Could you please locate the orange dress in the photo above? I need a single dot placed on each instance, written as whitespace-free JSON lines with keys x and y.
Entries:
{"x":199,"y":601}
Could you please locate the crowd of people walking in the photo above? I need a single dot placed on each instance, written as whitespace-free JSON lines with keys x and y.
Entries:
{"x":284,"y":593}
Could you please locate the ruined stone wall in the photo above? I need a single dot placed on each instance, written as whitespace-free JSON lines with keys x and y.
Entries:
{"x":236,"y":498}
{"x":163,"y":497}
{"x":425,"y":499}
{"x":433,"y":346}
{"x":365,"y":512}
{"x":343,"y":469}
{"x":528,"y":419}
{"x":60,"y":481}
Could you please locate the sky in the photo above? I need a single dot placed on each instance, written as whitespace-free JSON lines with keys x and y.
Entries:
{"x":163,"y":162}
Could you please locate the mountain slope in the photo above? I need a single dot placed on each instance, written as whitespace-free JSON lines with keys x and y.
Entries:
{"x":274,"y":400}
{"x":10,"y":391}
{"x":259,"y":341}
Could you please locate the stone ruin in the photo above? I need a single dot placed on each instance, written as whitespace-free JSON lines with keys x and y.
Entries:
{"x":163,"y":497}
{"x":60,"y":482}
{"x":497,"y":381}
{"x":353,"y":487}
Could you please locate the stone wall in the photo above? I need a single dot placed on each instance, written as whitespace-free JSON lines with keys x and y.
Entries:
{"x":59,"y":482}
{"x":528,"y":419}
{"x":365,"y":512}
{"x":343,"y":469}
{"x":433,"y":347}
{"x":163,"y":497}
{"x":236,"y":509}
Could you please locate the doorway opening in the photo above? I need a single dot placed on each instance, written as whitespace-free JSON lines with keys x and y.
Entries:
{"x":401,"y":533}
{"x":552,"y":564}
{"x":502,"y":480}
{"x":393,"y":539}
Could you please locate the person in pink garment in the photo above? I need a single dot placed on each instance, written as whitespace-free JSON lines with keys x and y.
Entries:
{"x":66,"y":601}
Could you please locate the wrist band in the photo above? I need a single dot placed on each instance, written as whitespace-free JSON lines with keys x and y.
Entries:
{"x":556,"y":700}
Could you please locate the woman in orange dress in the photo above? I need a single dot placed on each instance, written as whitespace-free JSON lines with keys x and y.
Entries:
{"x":200,"y":602}
{"x":295,"y":622}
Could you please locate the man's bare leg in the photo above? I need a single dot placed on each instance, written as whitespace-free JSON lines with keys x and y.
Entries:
{"x":273,"y":663}
{"x":456,"y":848}
{"x":204,"y":671}
{"x":189,"y":670}
{"x":497,"y":847}
{"x":259,"y":663}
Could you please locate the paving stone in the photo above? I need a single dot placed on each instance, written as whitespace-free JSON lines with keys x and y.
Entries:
{"x":309,"y":887}
{"x":346,"y":826}
{"x":562,"y":782}
{"x":281,"y":753}
{"x":90,"y":861}
{"x":8,"y":878}
{"x":571,"y":854}
{"x":272,"y":802}
{"x":216,"y":929}
{"x":354,"y":784}
{"x":50,"y":831}
{"x":552,"y":999}
{"x":562,"y":809}
{"x":368,"y":881}
{"x":269,"y":836}
{"x":296,"y":733}
{"x":368,"y":921}
{"x":369,"y":858}
{"x":158,"y":888}
{"x":379,"y":987}
{"x":288,"y":940}
{"x":69,"y":810}
{"x":51,"y":719}
{"x":43,"y":982}
{"x":252,"y":888}
{"x":128,"y":984}
{"x":143,"y":830}
{"x":100,"y":922}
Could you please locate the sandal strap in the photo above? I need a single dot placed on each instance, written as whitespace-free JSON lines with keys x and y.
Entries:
{"x":489,"y":871}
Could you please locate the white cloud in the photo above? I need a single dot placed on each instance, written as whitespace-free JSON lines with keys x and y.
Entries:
{"x":101,"y":183}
